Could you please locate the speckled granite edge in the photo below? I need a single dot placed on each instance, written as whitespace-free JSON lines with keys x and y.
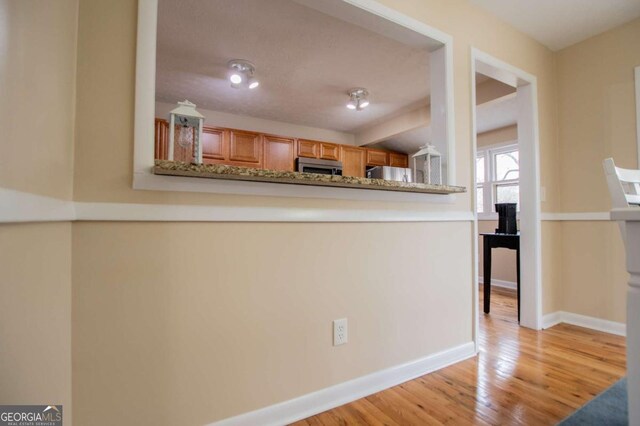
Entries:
{"x":221,"y":171}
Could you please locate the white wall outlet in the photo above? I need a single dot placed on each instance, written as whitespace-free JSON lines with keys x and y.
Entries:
{"x":340,"y":335}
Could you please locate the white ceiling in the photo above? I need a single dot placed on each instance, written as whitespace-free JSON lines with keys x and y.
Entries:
{"x":560,"y":23}
{"x":497,"y":113}
{"x":305,"y":59}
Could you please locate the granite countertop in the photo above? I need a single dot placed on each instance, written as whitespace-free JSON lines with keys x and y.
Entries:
{"x":221,"y":171}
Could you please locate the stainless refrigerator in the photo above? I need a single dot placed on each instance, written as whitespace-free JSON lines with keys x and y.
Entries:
{"x":399,"y":174}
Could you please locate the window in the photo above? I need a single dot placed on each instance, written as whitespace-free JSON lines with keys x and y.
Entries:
{"x":497,"y":177}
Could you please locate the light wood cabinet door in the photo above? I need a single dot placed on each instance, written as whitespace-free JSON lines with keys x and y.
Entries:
{"x":353,"y":160}
{"x":376,"y":157}
{"x":397,"y":159}
{"x":245,"y":148}
{"x":278,"y":153}
{"x":329,"y":151}
{"x":215,"y":144}
{"x":161,"y":145}
{"x":309,"y":149}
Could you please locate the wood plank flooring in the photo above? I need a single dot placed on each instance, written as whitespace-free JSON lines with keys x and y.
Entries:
{"x":521,"y":376}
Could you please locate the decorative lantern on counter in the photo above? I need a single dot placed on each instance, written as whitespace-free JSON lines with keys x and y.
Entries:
{"x":185,"y":129}
{"x":427,"y":165}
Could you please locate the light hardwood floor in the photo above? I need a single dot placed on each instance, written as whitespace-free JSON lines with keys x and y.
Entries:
{"x":521,"y":376}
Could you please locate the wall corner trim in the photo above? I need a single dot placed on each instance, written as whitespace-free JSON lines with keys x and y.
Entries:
{"x":18,"y":207}
{"x":593,"y":323}
{"x":576,"y":216}
{"x":316,"y":402}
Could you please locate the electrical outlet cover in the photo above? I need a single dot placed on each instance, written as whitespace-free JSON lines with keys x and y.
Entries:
{"x":340,"y":332}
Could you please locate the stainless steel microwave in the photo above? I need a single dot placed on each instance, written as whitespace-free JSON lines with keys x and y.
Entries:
{"x":323,"y":167}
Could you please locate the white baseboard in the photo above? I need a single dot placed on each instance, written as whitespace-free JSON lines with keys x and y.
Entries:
{"x":343,"y":393}
{"x":500,"y":283}
{"x":612,"y":327}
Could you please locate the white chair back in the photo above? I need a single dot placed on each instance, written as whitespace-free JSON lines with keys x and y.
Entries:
{"x":624,"y":184}
{"x":624,"y":188}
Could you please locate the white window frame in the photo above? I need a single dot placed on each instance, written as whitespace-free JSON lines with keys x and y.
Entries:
{"x":490,"y":183}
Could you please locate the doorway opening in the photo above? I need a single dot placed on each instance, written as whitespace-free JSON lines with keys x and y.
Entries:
{"x":506,"y":169}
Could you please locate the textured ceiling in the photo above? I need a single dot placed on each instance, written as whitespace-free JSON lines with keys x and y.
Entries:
{"x":560,"y":23}
{"x":306,"y":59}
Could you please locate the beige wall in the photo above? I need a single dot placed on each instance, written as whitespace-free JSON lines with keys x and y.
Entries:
{"x":597,"y":120}
{"x":490,"y":90}
{"x":594,"y":277}
{"x":596,"y":106}
{"x":156,"y":306}
{"x":498,"y":136}
{"x":216,"y":319}
{"x":35,"y":315}
{"x":185,"y":315}
{"x":37,"y":76}
{"x":552,"y":267}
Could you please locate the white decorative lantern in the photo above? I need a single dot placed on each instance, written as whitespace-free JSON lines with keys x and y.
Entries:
{"x":189,"y":122}
{"x":427,"y":165}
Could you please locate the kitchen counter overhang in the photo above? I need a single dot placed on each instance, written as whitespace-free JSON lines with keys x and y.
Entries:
{"x":225,"y":172}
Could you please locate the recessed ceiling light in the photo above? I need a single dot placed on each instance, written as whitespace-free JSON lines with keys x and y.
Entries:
{"x":241,"y":74}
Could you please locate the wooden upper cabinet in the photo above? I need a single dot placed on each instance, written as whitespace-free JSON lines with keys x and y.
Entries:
{"x":161,"y":146}
{"x":253,"y":149}
{"x":279,"y":153}
{"x":309,"y":149}
{"x":329,"y":151}
{"x":353,"y":160}
{"x":215,"y":144}
{"x":245,"y":148}
{"x":377,"y":157}
{"x":397,"y":159}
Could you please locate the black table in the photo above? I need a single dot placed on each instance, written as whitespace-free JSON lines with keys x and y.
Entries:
{"x":492,"y":240}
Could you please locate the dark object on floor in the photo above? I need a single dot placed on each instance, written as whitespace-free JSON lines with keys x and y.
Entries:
{"x":507,"y":218}
{"x":609,"y":408}
{"x":498,"y":241}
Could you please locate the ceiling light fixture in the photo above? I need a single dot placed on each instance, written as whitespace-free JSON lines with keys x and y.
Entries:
{"x":358,"y":98}
{"x":241,"y":74}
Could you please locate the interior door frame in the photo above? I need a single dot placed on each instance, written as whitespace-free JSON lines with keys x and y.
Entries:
{"x":530,"y":220}
{"x":636,"y":72}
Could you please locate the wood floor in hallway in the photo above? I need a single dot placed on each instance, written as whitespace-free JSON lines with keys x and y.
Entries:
{"x":521,"y":376}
